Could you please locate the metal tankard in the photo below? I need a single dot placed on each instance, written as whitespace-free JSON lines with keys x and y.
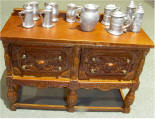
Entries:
{"x":72,"y":12}
{"x":130,"y":10}
{"x":55,"y":11}
{"x":89,"y":17}
{"x":137,"y":19}
{"x":117,"y":23}
{"x":35,"y":7}
{"x":28,"y":17}
{"x":47,"y":18}
{"x":107,"y":13}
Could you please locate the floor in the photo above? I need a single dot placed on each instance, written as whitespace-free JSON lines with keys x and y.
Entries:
{"x":143,"y":105}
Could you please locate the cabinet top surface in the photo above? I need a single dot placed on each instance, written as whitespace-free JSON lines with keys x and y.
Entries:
{"x":64,"y":32}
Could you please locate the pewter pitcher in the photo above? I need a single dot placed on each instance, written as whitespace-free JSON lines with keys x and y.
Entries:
{"x":72,"y":12}
{"x":117,"y":23}
{"x":27,"y":22}
{"x":47,"y":18}
{"x":107,"y":13}
{"x":89,"y":17}
{"x":55,"y":11}
{"x":35,"y":7}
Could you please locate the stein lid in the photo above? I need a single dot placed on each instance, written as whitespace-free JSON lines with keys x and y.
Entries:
{"x":110,"y":6}
{"x":132,"y":4}
{"x":48,"y":8}
{"x":92,"y":7}
{"x":140,"y":9}
{"x":71,"y":5}
{"x":28,"y":8}
{"x":118,"y":13}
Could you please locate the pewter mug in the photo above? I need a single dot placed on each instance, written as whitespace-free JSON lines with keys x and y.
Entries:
{"x":27,"y":22}
{"x":47,"y":19}
{"x":35,"y":7}
{"x":107,"y":13}
{"x":72,"y":12}
{"x":137,"y":19}
{"x":117,"y":23}
{"x":55,"y":11}
{"x":89,"y":17}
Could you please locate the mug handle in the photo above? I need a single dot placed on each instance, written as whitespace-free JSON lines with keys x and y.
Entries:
{"x":20,"y":15}
{"x":127,"y":25}
{"x":78,"y":15}
{"x":41,"y":15}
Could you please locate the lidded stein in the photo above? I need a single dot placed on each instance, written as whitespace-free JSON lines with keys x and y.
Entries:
{"x":131,"y":8}
{"x":71,"y":12}
{"x":89,"y":17}
{"x":28,"y":17}
{"x":107,"y":13}
{"x":117,"y":22}
{"x":47,"y":18}
{"x":55,"y":11}
{"x":137,"y":19}
{"x":35,"y":7}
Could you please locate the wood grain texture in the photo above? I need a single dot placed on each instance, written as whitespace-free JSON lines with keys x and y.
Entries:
{"x":64,"y":32}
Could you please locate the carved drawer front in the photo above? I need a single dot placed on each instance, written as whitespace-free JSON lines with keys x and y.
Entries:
{"x":53,"y":61}
{"x":108,"y":63}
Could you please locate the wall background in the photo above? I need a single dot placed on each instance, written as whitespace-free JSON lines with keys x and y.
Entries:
{"x":145,"y":96}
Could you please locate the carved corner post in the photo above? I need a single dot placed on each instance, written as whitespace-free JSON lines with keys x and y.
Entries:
{"x":73,"y":86}
{"x":129,"y":99}
{"x":12,"y":93}
{"x":12,"y":87}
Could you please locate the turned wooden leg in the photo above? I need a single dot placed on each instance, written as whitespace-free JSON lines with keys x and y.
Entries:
{"x":12,"y":94}
{"x":129,"y":100}
{"x":71,"y":100}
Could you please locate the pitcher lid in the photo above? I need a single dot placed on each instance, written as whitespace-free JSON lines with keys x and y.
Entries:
{"x":110,"y":6}
{"x":91,"y":6}
{"x":28,"y":7}
{"x":118,"y":13}
{"x":52,"y":3}
{"x":48,"y":8}
{"x":132,"y":4}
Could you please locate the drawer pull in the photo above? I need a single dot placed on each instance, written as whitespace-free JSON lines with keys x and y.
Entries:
{"x":60,"y":58}
{"x":60,"y":68}
{"x":92,"y":70}
{"x":24,"y":67}
{"x":124,"y":71}
{"x":23,"y":56}
{"x":128,"y":61}
{"x":93,"y":59}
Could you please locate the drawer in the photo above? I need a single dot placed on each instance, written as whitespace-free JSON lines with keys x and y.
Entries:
{"x":36,"y":61}
{"x":107,"y":63}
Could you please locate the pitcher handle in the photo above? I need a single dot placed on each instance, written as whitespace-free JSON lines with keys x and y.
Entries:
{"x":77,"y":15}
{"x":41,"y":15}
{"x":20,"y":15}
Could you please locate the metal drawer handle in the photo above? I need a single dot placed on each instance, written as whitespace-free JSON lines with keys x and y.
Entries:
{"x":128,"y":61}
{"x":93,"y":59}
{"x":24,"y":67}
{"x":60,"y":58}
{"x":23,"y":56}
{"x":92,"y":70}
{"x":60,"y":68}
{"x":124,"y":71}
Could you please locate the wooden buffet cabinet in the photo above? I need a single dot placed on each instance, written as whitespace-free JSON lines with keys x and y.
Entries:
{"x":66,"y":57}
